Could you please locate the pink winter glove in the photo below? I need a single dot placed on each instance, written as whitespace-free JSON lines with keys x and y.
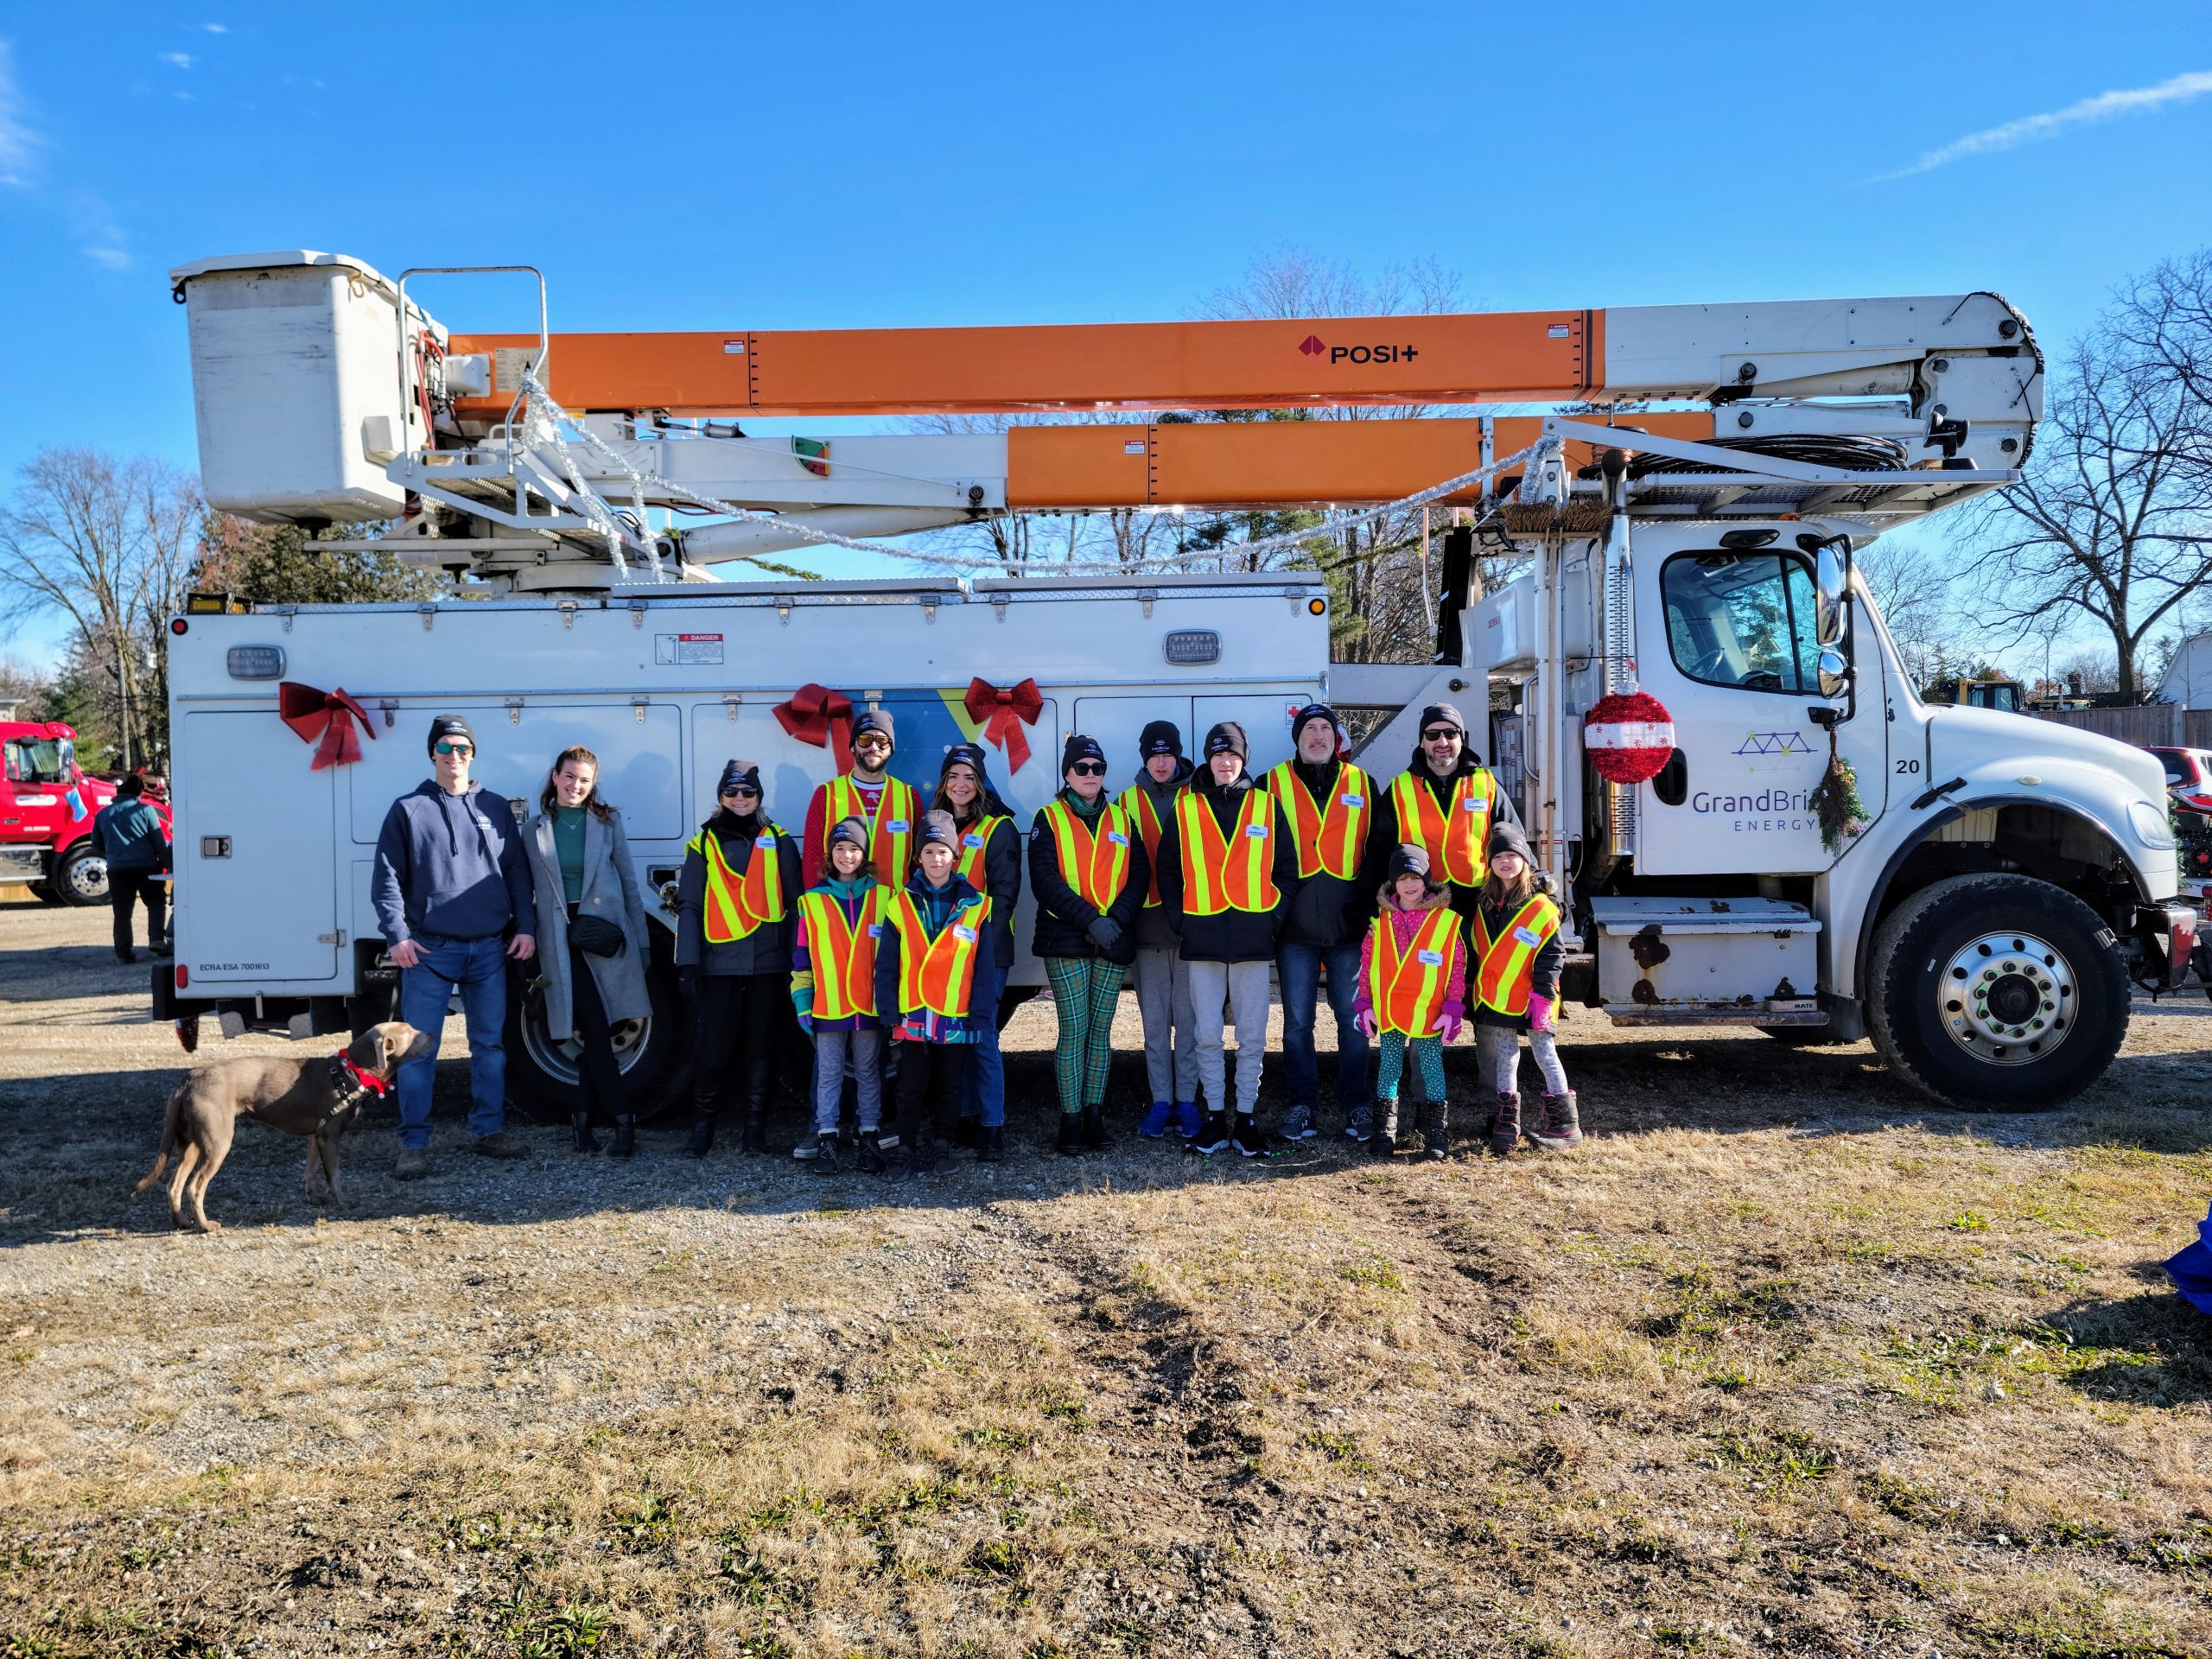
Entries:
{"x":1540,"y":1012}
{"x":1368,"y":1025}
{"x":1451,"y":1021}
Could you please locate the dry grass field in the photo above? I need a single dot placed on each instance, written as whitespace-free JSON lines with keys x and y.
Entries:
{"x":1782,"y":1363}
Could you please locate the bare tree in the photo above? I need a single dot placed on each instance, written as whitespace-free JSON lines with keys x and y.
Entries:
{"x":2112,"y":523}
{"x":109,"y":545}
{"x":1912,"y":584}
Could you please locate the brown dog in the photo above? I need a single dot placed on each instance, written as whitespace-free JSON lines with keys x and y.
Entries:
{"x":317,"y":1099}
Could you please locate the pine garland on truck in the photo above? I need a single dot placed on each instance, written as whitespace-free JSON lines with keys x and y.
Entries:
{"x":1836,"y":801}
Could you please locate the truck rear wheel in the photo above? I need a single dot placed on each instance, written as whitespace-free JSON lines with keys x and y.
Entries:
{"x":1997,"y":993}
{"x":80,"y":876}
{"x":543,"y":1075}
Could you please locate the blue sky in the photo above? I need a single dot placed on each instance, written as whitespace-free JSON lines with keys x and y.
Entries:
{"x":721,"y":166}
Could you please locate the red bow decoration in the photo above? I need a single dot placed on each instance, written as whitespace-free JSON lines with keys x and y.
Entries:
{"x":1002,"y":714}
{"x":324,"y":718}
{"x":822,"y":718}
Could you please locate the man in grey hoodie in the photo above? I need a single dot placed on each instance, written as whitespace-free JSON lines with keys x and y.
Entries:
{"x":449,"y":884}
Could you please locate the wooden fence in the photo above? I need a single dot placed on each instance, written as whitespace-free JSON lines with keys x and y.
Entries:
{"x":2150,"y":726}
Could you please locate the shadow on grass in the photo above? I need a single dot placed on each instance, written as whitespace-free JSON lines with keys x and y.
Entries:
{"x":2151,"y":1349}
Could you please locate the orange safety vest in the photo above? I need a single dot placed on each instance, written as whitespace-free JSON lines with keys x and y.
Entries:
{"x":843,"y":953}
{"x":1330,"y":838}
{"x":891,"y":827}
{"x":1456,"y":841}
{"x":972,"y":845}
{"x":1135,"y":802}
{"x":938,"y":973}
{"x":1216,"y":877}
{"x":1095,"y":863}
{"x":737,"y":904}
{"x":1501,"y":977}
{"x":1407,"y":992}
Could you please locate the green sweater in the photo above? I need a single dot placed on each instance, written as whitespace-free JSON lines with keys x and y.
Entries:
{"x":568,"y":845}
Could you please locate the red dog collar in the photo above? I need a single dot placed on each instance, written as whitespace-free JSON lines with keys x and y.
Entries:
{"x":368,"y":1080}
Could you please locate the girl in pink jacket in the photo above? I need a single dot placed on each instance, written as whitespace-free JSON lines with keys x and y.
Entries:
{"x":1413,"y":993}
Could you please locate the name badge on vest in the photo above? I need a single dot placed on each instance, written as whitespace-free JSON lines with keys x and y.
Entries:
{"x":875,"y":930}
{"x":1429,"y":958}
{"x":965,"y":934}
{"x":971,"y":839}
{"x":1352,"y":800}
{"x":1256,"y":831}
{"x":897,"y":826}
{"x":765,"y":838}
{"x":1474,"y":803}
{"x":1529,"y":937}
{"x":1117,"y":838}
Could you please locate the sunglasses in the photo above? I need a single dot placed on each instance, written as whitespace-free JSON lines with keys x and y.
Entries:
{"x":1439,"y":733}
{"x":746,"y":789}
{"x":1089,"y":769}
{"x":455,"y":748}
{"x":871,"y":740}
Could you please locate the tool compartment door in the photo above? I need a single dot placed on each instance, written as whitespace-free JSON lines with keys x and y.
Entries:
{"x":257,"y":855}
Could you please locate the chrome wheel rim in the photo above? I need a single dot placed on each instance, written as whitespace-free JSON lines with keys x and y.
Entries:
{"x":87,"y":877}
{"x":2007,"y":999}
{"x":563,"y":1061}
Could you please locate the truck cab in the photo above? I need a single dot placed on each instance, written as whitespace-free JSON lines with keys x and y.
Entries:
{"x":47,"y":804}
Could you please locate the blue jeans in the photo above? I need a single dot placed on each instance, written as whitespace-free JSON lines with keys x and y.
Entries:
{"x":1299,"y":967}
{"x":478,"y":966}
{"x":986,"y":1090}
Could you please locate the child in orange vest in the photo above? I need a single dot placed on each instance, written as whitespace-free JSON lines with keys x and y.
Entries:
{"x":1413,"y":995}
{"x":1516,"y":952}
{"x":924,"y":982}
{"x":833,"y":985}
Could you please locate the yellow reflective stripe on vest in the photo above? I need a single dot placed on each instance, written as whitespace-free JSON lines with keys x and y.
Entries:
{"x":843,"y":953}
{"x":974,"y":843}
{"x":1457,"y":841}
{"x":1080,"y":852}
{"x":737,"y":905}
{"x":1503,"y":977}
{"x":891,"y":827}
{"x":1218,"y":876}
{"x":1407,"y":992}
{"x":1330,"y":837}
{"x":938,"y":972}
{"x":1135,"y":802}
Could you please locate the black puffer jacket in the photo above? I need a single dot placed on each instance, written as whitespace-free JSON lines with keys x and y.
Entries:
{"x":767,"y":948}
{"x":1230,"y":935}
{"x":1063,"y":919}
{"x":1327,"y":911}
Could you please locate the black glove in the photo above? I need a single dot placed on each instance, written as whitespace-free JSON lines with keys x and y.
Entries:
{"x":687,"y":984}
{"x":1104,"y":932}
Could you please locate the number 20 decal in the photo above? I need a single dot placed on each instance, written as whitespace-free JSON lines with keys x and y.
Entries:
{"x":1905,"y":768}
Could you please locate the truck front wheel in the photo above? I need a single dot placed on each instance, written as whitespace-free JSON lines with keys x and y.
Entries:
{"x":80,"y":876}
{"x":1997,"y":993}
{"x":544,"y":1076}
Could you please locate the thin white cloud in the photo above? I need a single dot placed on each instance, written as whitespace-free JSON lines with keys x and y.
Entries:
{"x":19,"y":145}
{"x":105,"y":243}
{"x":177,"y":59}
{"x":214,"y":29}
{"x":2033,"y":128}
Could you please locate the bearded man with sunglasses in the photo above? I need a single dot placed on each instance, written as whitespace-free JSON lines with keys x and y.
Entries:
{"x":452,"y":892}
{"x":1444,"y":802}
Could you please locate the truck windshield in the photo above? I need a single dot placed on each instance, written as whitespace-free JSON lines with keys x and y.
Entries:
{"x":1742,"y":620}
{"x":38,"y":760}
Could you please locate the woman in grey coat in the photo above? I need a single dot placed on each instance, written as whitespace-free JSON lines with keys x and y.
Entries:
{"x":579,"y":865}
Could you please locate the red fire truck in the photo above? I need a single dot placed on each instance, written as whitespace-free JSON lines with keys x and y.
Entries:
{"x":46,"y":804}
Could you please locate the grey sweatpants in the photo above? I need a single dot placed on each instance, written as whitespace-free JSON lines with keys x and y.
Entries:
{"x":1242,"y":987}
{"x":1171,"y":1039}
{"x":1497,"y":1060}
{"x":830,"y":1048}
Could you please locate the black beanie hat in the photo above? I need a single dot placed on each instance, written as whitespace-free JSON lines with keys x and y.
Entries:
{"x":1408,"y":859}
{"x":1079,"y":747}
{"x":450,"y":726}
{"x":852,"y":829}
{"x":971,"y":755}
{"x":1509,"y":838}
{"x":1446,"y":713}
{"x":737,"y":773}
{"x":1227,"y":738}
{"x":1160,"y":737}
{"x":938,"y":830}
{"x":1317,"y":711}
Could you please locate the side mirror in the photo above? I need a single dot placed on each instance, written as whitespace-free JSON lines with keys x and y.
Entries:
{"x":1831,"y":590}
{"x":1834,"y":672}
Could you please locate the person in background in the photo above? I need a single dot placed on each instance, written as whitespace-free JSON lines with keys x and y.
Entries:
{"x":1326,"y":804}
{"x":1413,"y":995}
{"x":1444,"y":802}
{"x":592,"y":922}
{"x":1224,"y":872}
{"x":452,"y":892}
{"x":1171,"y":1042}
{"x":924,"y":980}
{"x":868,"y":792}
{"x":734,"y":906}
{"x":991,"y":863}
{"x":128,"y":832}
{"x":1517,"y":952}
{"x":1090,"y":874}
{"x":841,"y":923}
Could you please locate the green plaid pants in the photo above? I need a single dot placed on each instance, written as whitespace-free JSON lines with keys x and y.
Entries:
{"x":1086,"y":990}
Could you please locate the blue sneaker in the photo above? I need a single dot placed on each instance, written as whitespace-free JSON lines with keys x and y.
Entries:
{"x":1187,"y":1119}
{"x":1154,"y":1127}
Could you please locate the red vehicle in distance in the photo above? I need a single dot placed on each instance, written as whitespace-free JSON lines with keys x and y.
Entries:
{"x":47,"y":804}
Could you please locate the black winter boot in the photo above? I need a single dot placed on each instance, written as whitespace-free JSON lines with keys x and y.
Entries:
{"x":1095,"y":1138}
{"x":753,"y":1140}
{"x":1558,"y":1124}
{"x":1505,"y":1126}
{"x":993,"y":1148}
{"x":1070,"y":1134}
{"x":580,"y":1138}
{"x":1383,"y":1142}
{"x":1436,"y":1144}
{"x":625,"y":1144}
{"x":703,"y":1133}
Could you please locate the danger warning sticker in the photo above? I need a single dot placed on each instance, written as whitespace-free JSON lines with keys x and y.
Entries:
{"x":678,"y":649}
